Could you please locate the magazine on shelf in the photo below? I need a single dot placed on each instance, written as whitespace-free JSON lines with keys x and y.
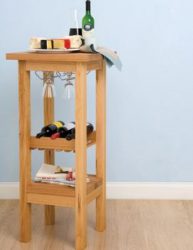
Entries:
{"x":52,"y":171}
{"x":56,"y":175}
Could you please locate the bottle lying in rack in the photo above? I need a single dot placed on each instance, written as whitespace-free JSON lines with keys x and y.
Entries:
{"x":50,"y":129}
{"x":68,"y":131}
{"x":62,"y":133}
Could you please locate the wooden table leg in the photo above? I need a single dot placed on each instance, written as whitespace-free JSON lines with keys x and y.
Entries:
{"x":101,"y":146}
{"x":49,"y":154}
{"x":80,"y":192}
{"x":24,"y":151}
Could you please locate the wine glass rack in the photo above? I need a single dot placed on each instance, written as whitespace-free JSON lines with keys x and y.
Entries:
{"x":52,"y":195}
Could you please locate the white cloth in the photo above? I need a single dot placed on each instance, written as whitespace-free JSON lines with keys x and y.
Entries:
{"x":110,"y":56}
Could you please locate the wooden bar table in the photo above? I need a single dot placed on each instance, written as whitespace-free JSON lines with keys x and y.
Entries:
{"x":52,"y":195}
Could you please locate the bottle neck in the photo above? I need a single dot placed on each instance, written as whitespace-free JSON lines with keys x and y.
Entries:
{"x":88,"y":9}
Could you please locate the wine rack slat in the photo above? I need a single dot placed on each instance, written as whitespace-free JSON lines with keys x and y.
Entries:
{"x":59,"y":143}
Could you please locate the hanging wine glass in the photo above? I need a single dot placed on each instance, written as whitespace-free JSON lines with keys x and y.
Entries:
{"x":68,"y":86}
{"x":48,"y":87}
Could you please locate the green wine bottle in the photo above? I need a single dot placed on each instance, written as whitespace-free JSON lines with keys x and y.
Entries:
{"x":88,"y":20}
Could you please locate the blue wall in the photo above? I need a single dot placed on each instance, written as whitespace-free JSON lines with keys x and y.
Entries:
{"x":149,"y":104}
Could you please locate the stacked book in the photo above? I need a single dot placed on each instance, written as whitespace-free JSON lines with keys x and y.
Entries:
{"x":55,"y":175}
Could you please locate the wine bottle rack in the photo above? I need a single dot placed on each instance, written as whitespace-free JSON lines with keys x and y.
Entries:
{"x":52,"y":195}
{"x":59,"y":143}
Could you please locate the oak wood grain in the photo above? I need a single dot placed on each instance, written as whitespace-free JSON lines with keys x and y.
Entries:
{"x":24,"y":151}
{"x":51,"y":57}
{"x":49,"y":157}
{"x":81,"y":160}
{"x":49,"y":195}
{"x":59,"y":143}
{"x":101,"y":145}
{"x":62,"y":190}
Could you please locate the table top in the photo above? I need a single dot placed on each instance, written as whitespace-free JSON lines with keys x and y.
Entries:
{"x":54,"y":57}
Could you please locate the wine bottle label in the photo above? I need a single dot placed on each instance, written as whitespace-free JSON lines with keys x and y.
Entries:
{"x":70,"y":125}
{"x":58,"y":124}
{"x":88,"y":27}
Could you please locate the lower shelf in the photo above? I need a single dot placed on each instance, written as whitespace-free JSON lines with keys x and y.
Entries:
{"x":61,"y":195}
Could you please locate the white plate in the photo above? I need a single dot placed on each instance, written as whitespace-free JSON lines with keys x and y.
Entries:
{"x":53,"y":50}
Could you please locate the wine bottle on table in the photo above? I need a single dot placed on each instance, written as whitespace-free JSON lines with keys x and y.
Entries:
{"x":50,"y":129}
{"x":88,"y":23}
